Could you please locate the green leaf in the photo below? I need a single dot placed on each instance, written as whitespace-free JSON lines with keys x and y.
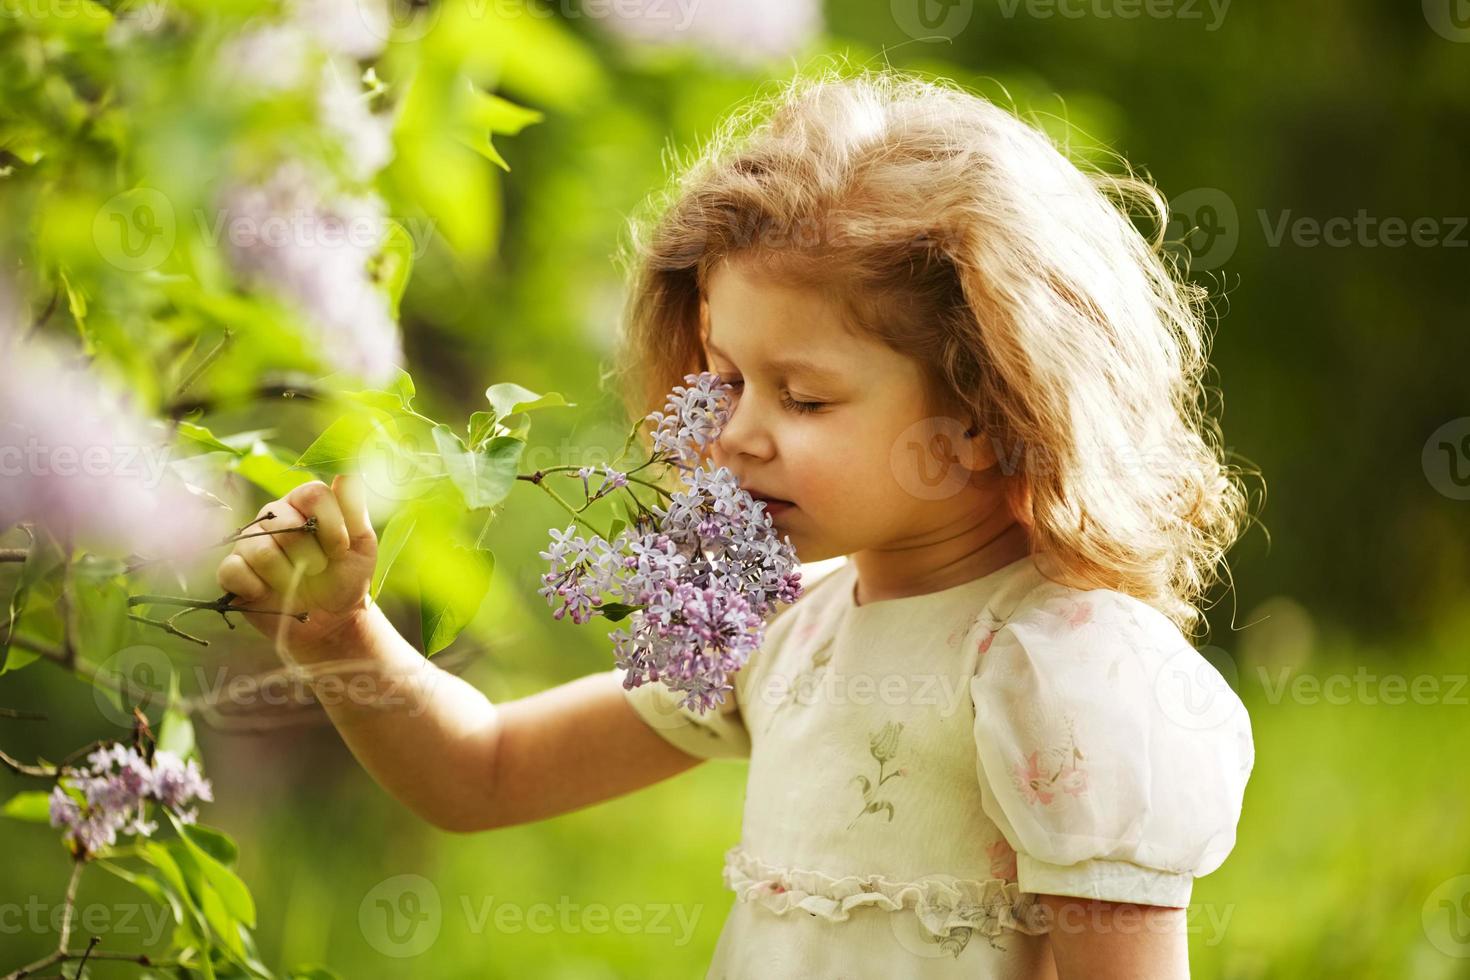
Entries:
{"x":76,"y":302}
{"x":618,"y":526}
{"x":156,"y":891}
{"x":266,"y":469}
{"x":217,"y":843}
{"x":484,"y":477}
{"x":447,"y":607}
{"x":176,"y":734}
{"x":233,"y":894}
{"x":338,"y":449}
{"x":482,"y":113}
{"x":394,"y":265}
{"x":312,"y":972}
{"x":43,"y":557}
{"x":396,"y":534}
{"x":616,"y":611}
{"x":481,"y":427}
{"x":32,"y":806}
{"x":162,"y":859}
{"x":397,"y":396}
{"x":507,"y":399}
{"x":102,"y":620}
{"x":201,"y":436}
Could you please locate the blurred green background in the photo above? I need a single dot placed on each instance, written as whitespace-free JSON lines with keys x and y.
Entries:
{"x":1342,"y":365}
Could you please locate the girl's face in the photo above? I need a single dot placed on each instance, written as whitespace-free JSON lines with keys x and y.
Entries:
{"x":836,"y":423}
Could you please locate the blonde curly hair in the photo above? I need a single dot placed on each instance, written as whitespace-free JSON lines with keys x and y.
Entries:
{"x":963,"y":237}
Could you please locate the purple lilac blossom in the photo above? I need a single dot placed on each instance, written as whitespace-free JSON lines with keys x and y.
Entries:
{"x":704,"y":573}
{"x":117,"y":785}
{"x":78,"y":457}
{"x":287,"y":236}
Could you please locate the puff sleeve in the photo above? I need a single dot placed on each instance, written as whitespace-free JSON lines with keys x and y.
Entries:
{"x":1111,"y":754}
{"x":719,"y":733}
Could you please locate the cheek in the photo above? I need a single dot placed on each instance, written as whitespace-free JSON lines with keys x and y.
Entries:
{"x":841,"y":475}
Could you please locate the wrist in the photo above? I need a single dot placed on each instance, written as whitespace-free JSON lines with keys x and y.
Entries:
{"x":349,"y":639}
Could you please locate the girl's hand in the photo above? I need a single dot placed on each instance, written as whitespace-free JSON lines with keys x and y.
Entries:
{"x":325,"y":571}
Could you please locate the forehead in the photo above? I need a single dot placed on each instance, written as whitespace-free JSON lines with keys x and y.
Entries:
{"x":761,"y":322}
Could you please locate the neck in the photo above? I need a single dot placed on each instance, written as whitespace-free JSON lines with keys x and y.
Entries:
{"x":950,"y":557}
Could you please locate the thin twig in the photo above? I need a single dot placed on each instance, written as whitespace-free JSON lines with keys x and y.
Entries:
{"x":22,"y":715}
{"x":21,"y":769}
{"x":203,"y":365}
{"x":186,"y":406}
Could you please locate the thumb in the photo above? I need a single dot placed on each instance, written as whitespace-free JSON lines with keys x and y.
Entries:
{"x":352,"y":499}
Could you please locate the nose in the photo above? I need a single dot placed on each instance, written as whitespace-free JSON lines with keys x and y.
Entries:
{"x":746,"y":433}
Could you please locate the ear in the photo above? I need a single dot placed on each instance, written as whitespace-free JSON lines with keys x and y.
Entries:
{"x":982,"y":454}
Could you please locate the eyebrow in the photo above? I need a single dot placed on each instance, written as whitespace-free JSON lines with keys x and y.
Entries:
{"x":790,"y":365}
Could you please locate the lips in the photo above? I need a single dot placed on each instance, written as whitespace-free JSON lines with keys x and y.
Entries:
{"x":763,"y":498}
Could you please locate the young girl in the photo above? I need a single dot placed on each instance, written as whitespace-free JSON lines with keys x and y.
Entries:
{"x":982,"y":745}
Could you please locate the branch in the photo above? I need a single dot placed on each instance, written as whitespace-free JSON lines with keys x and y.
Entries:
{"x":21,"y":769}
{"x":203,"y":365}
{"x":22,"y":715}
{"x":13,"y":554}
{"x":221,"y":605}
{"x":184,"y":406}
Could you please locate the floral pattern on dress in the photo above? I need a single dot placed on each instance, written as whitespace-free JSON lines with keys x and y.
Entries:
{"x":882,"y":746}
{"x":821,"y":657}
{"x":1002,"y":860}
{"x":985,"y":622}
{"x":1049,"y":772}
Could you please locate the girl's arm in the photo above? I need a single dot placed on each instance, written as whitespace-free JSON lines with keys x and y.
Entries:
{"x":437,"y":744}
{"x":1092,"y":940}
{"x":429,"y":738}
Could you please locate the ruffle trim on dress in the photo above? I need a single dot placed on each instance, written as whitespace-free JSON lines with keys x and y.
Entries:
{"x":941,"y":902}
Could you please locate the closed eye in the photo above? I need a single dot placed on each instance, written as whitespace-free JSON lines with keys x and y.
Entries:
{"x":787,"y":402}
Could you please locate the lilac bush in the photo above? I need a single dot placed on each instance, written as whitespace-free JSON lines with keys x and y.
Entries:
{"x":698,"y":578}
{"x":111,"y":796}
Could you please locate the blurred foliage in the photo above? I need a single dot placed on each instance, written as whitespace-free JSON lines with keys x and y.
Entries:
{"x":1336,"y":364}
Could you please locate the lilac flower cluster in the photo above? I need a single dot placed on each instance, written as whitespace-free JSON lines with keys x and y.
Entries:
{"x":611,"y":480}
{"x":309,"y":230}
{"x":117,"y":785}
{"x":290,"y":236}
{"x":702,"y":574}
{"x":692,"y":418}
{"x":79,"y":457}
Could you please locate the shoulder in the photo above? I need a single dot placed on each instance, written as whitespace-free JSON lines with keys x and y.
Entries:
{"x":1062,"y":626}
{"x":1111,"y":660}
{"x":1103,"y":736}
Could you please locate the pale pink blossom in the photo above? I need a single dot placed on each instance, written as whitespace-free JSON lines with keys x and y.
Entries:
{"x":79,"y":459}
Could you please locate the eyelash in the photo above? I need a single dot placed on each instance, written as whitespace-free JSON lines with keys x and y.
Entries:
{"x":787,"y":402}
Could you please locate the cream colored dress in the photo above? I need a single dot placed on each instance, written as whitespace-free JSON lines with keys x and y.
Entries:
{"x":922,"y":768}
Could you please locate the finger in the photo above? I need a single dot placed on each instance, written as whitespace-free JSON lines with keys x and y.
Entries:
{"x":352,"y":499}
{"x":269,"y":563}
{"x":235,"y":575}
{"x":299,"y":546}
{"x":315,"y":499}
